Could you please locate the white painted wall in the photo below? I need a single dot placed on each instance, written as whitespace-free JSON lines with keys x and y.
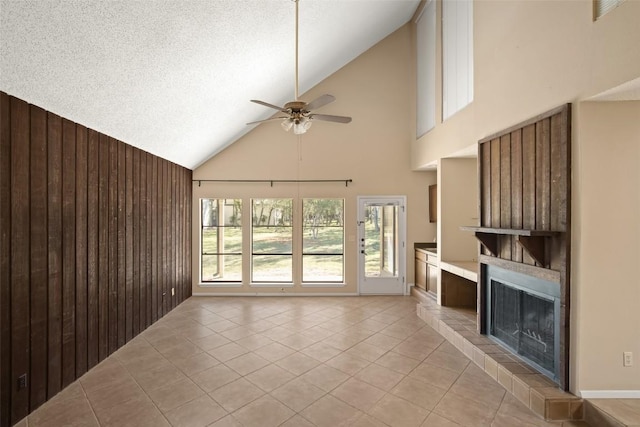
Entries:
{"x":606,"y":247}
{"x":532,"y":56}
{"x":377,"y":90}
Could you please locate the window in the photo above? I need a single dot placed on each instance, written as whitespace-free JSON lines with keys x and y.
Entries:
{"x":602,"y":7}
{"x":221,"y":240}
{"x":323,"y":240}
{"x":426,"y":71}
{"x":457,"y":55}
{"x":272,"y":240}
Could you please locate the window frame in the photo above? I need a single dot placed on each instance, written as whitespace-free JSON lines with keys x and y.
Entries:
{"x":303,"y":253}
{"x":271,"y":283}
{"x":222,"y":202}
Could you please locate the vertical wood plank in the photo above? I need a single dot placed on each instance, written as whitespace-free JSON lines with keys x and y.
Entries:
{"x":114,"y":271}
{"x":142,"y":248}
{"x":172,"y":237}
{"x":543,"y":175}
{"x":39,"y":254}
{"x":93,"y":234}
{"x":516,"y":190}
{"x":485,"y":184}
{"x":81,"y":250}
{"x":103,"y":244}
{"x":495,"y":183}
{"x":559,"y":170}
{"x":180,"y":245}
{"x":560,"y":191}
{"x":528,"y":182}
{"x":151,"y":195}
{"x":20,"y":251}
{"x":5,"y":259}
{"x":68,"y":252}
{"x":135,"y":254}
{"x":189,"y":228}
{"x":162,"y":236}
{"x":128,"y":226}
{"x":54,"y":172}
{"x":155,"y":179}
{"x":505,"y":194}
{"x":121,"y":290}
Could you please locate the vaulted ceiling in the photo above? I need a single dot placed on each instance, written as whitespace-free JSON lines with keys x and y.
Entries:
{"x":175,"y":77}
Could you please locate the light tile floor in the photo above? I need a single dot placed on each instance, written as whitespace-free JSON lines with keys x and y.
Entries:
{"x":287,"y":361}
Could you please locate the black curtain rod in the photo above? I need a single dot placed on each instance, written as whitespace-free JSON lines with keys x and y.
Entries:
{"x":271,"y":181}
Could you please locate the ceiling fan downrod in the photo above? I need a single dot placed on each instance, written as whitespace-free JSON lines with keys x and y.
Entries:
{"x":296,"y":82}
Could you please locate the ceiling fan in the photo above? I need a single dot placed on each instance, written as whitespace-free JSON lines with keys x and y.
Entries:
{"x":299,"y":114}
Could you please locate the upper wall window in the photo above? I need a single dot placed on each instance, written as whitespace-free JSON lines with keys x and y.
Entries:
{"x":457,"y":55}
{"x":426,"y":69}
{"x":600,"y":7}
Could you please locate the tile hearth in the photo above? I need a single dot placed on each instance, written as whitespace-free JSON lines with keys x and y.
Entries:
{"x":533,"y":389}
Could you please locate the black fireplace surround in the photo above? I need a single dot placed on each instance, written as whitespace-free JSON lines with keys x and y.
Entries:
{"x":523,"y":314}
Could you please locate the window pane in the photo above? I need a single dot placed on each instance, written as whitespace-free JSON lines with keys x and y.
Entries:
{"x":323,"y":240}
{"x":226,"y":268}
{"x":426,"y":70}
{"x":231,"y":240}
{"x":272,"y":240}
{"x":221,"y":240}
{"x":272,"y":212}
{"x":322,"y":268}
{"x":210,"y":240}
{"x":232,"y":215}
{"x":457,"y":56}
{"x":272,"y":268}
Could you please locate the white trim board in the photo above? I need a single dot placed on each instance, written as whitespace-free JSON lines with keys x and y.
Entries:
{"x":610,"y":394}
{"x":274,"y":294}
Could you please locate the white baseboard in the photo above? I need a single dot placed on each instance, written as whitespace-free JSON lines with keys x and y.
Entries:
{"x":274,"y":294}
{"x":610,"y":394}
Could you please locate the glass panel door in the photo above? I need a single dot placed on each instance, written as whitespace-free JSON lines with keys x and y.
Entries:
{"x":381,"y":245}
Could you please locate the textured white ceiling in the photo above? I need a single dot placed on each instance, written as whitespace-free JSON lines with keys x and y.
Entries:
{"x":175,"y":77}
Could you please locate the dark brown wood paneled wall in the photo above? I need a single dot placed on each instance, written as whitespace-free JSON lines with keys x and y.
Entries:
{"x":94,"y":235}
{"x":525,"y":184}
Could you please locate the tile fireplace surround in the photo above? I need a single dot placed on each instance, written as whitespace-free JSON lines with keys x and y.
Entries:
{"x":533,"y":389}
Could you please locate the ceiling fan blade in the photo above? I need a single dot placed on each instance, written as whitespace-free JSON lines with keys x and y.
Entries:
{"x":329,"y":118}
{"x":321,"y":101}
{"x":266,"y":104}
{"x":267,"y":120}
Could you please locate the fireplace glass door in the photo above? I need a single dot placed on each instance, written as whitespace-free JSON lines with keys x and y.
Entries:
{"x":525,"y":322}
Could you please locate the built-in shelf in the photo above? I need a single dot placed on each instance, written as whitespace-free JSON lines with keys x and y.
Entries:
{"x":533,"y":241}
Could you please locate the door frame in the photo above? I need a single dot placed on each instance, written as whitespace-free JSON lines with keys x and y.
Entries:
{"x":402,"y":238}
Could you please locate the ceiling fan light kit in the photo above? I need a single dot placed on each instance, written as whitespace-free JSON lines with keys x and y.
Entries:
{"x":299,"y":114}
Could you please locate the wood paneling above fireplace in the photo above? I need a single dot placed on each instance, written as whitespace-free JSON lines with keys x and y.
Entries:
{"x":525,"y":184}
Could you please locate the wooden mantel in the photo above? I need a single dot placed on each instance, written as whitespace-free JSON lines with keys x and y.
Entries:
{"x":532,"y":241}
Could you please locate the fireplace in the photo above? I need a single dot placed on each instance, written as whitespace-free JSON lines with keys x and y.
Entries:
{"x":523,"y":314}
